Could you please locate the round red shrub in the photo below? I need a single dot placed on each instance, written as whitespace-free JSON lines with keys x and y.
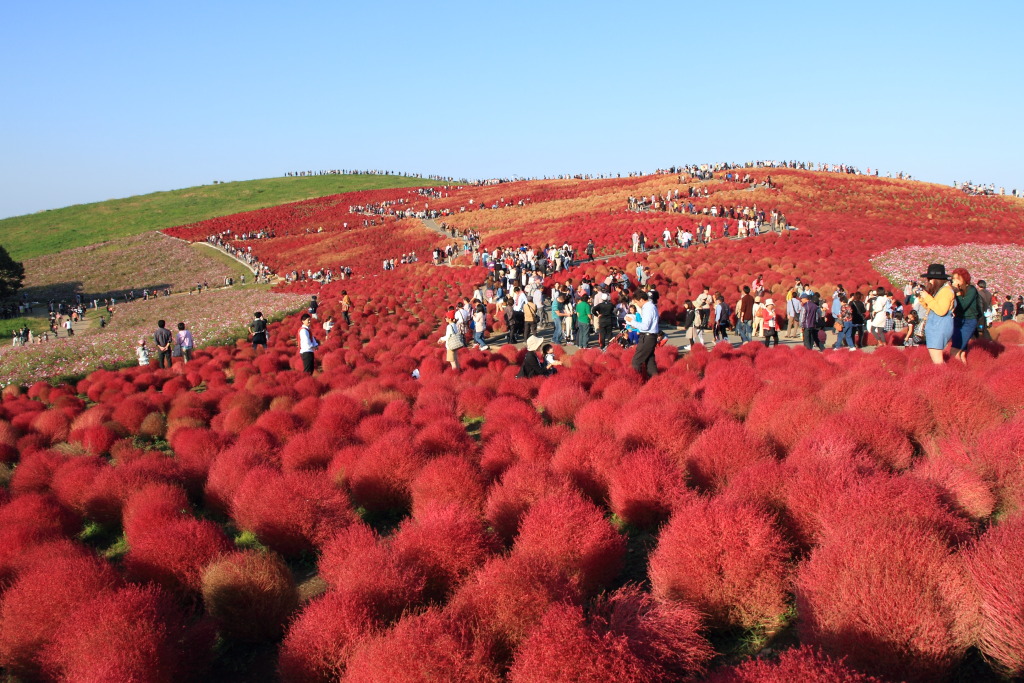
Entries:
{"x":444,"y":543}
{"x":628,"y":638}
{"x":508,"y":596}
{"x":320,"y":640}
{"x":250,"y":594}
{"x":152,"y":506}
{"x":995,"y":571}
{"x":39,"y":601}
{"x":727,"y":559}
{"x":358,"y":564}
{"x":722,"y":450}
{"x":174,"y":554}
{"x":887,"y":598}
{"x":447,"y":479}
{"x":291,"y":512}
{"x":804,"y":664}
{"x":645,"y":487}
{"x":519,"y":489}
{"x":424,"y":647}
{"x":379,"y":480}
{"x":572,"y":533}
{"x":132,"y":634}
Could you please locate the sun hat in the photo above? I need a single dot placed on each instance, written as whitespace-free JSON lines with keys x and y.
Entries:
{"x":769,"y":302}
{"x":936,"y":271}
{"x":534,"y":343}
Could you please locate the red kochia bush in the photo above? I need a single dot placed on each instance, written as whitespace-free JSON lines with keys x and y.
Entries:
{"x":250,"y":594}
{"x":520,"y":488}
{"x":291,"y":512}
{"x":572,"y":533}
{"x":509,"y":595}
{"x":40,"y":600}
{"x":995,"y":572}
{"x":722,"y":450}
{"x":424,"y":647}
{"x":728,"y":559}
{"x":445,"y":543}
{"x":447,"y":479}
{"x":358,"y":564}
{"x":886,"y":597}
{"x":804,"y":664}
{"x":628,"y":638}
{"x":380,"y":479}
{"x":644,"y":488}
{"x":175,"y":553}
{"x":322,"y":637}
{"x":132,"y":634}
{"x":152,"y":506}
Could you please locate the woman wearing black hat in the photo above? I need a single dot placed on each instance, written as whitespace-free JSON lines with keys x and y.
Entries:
{"x":938,"y":299}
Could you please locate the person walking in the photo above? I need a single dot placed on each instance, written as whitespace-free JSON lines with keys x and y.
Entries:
{"x":809,"y":316}
{"x":185,"y":342}
{"x":648,"y":329}
{"x":307,"y":343}
{"x":794,"y":308}
{"x":844,"y":324}
{"x":452,"y":340}
{"x":938,"y":299}
{"x":745,"y":315}
{"x":769,"y":323}
{"x":479,"y":324}
{"x":346,"y":307}
{"x":162,"y":339}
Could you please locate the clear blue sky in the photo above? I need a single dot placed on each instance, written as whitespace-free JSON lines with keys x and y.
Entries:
{"x":105,"y":99}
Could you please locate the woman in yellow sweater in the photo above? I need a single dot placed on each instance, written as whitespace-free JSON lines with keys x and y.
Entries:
{"x":939,"y":299}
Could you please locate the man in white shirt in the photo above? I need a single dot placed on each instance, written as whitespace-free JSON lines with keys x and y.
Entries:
{"x":307,"y":344}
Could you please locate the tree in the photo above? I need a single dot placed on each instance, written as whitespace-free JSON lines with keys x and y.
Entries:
{"x":12,"y":273}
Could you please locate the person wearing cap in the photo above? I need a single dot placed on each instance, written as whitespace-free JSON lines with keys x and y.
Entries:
{"x":643,"y":358}
{"x":809,"y":322}
{"x":938,"y":298}
{"x":451,"y":332}
{"x":532,"y":366}
{"x":769,"y":323}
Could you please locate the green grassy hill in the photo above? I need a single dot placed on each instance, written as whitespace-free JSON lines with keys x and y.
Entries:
{"x":48,"y":232}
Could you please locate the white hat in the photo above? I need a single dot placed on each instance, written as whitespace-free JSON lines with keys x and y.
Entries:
{"x":769,"y":302}
{"x":534,"y":343}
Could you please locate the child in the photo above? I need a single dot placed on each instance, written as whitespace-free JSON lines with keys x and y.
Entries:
{"x":328,"y":326}
{"x":549,"y":358}
{"x":915,"y":330}
{"x":142,"y":353}
{"x":632,"y":320}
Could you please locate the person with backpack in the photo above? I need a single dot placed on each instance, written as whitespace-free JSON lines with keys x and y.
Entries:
{"x":307,"y":344}
{"x":258,"y":328}
{"x":313,"y":306}
{"x":810,"y":320}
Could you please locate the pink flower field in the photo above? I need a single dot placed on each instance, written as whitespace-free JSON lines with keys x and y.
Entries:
{"x":1000,"y":265}
{"x":213,"y":317}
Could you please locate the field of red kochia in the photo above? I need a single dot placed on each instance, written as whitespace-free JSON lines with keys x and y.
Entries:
{"x":864,"y":513}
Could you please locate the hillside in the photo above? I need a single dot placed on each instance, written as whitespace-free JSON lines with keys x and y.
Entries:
{"x":48,"y":232}
{"x":745,"y":513}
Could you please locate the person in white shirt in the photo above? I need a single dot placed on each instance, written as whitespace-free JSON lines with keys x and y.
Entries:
{"x":307,"y":344}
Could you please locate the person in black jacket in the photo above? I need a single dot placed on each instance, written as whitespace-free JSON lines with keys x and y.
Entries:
{"x":532,"y":367}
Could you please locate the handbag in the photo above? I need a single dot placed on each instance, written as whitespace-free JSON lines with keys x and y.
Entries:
{"x":454,"y":340}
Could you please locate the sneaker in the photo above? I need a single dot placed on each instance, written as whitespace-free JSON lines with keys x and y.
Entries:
{"x":686,"y":348}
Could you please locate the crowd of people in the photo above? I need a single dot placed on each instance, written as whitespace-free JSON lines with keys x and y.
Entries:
{"x":974,"y":190}
{"x":221,"y":241}
{"x":937,"y":312}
